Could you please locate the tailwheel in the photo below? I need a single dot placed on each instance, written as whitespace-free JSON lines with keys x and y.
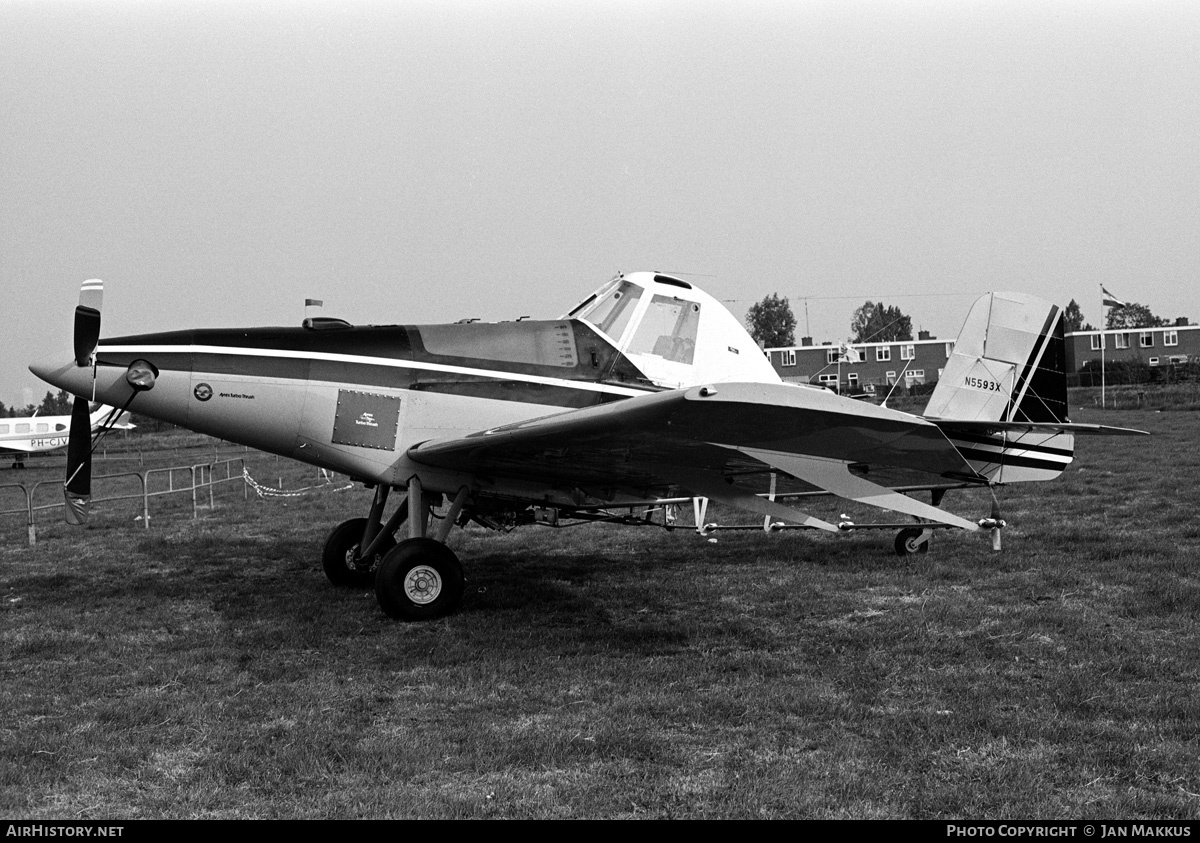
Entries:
{"x":340,"y":558}
{"x":912,"y":540}
{"x":419,"y":579}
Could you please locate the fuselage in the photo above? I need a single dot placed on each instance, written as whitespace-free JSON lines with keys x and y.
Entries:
{"x":31,"y":434}
{"x":35,"y":433}
{"x":355,"y":399}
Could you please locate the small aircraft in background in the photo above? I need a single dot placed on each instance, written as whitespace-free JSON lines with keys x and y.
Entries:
{"x":649,"y":389}
{"x":29,"y":434}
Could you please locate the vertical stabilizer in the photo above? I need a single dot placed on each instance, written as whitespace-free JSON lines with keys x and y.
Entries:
{"x":1009,"y":364}
{"x":1008,"y":367}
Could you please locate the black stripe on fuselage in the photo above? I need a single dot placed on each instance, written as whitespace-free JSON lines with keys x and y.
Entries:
{"x":303,"y":353}
{"x":1002,"y":459}
{"x":981,"y":439}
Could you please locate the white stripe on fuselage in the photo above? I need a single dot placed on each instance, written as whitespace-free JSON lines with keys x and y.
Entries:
{"x":589,"y":386}
{"x":1010,"y":450}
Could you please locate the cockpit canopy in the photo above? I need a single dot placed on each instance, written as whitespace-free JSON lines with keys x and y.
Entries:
{"x":675,"y":333}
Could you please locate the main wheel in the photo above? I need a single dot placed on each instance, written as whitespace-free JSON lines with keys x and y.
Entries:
{"x":340,"y":557}
{"x":909,"y":541}
{"x":419,"y":579}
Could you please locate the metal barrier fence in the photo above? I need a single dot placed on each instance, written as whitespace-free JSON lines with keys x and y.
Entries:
{"x":150,"y":484}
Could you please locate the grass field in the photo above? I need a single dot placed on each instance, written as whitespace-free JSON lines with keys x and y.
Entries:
{"x":205,"y":668}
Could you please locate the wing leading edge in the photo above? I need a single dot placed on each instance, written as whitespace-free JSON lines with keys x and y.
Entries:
{"x":700,"y":438}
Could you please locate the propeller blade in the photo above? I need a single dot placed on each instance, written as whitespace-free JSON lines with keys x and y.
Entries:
{"x":78,"y":489}
{"x":87,"y":320}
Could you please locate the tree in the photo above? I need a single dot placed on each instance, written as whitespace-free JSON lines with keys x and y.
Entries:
{"x":1133,"y":315}
{"x":1073,"y":318}
{"x":56,"y":405}
{"x":875,"y":322}
{"x":771,"y":322}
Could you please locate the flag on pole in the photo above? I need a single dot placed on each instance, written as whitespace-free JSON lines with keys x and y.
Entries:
{"x":846,"y":354}
{"x":1110,"y":300}
{"x":313,"y":303}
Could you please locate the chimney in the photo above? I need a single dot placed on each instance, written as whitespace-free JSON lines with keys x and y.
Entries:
{"x":925,"y":335}
{"x":806,"y":341}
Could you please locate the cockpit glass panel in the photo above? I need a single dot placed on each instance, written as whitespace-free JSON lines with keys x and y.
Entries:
{"x":668,"y":330}
{"x":537,"y":343}
{"x":611,"y":311}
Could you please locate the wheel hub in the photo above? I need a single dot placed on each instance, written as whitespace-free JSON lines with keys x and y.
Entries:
{"x":422,"y":584}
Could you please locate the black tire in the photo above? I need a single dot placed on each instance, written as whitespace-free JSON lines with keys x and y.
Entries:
{"x":340,"y":557}
{"x":419,"y":580}
{"x":906,"y":542}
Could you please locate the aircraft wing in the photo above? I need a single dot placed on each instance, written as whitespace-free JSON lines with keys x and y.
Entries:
{"x":702,"y":439}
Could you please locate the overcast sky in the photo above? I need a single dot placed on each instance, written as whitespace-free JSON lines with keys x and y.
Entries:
{"x":218,"y":162}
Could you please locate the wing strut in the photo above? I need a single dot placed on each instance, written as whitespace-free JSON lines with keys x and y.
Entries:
{"x":710,"y":485}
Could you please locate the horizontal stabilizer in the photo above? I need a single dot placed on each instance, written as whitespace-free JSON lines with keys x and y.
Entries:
{"x":1038,"y":427}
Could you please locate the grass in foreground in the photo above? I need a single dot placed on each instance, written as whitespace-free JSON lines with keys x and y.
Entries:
{"x":207,"y":669}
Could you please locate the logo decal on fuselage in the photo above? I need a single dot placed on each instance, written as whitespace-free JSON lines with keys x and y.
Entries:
{"x":202,"y":392}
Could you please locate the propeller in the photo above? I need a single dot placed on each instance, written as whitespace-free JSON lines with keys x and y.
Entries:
{"x":87,"y":320}
{"x":78,"y":488}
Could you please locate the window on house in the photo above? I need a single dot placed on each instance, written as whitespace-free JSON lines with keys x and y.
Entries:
{"x":1121,"y":341}
{"x":891,"y":377}
{"x":788,"y":357}
{"x":884,"y":352}
{"x":1097,"y":342}
{"x":832,"y":357}
{"x":907,"y":352}
{"x":1170,"y":338}
{"x":1146,"y":339}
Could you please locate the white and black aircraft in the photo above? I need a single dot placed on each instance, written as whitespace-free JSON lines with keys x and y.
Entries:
{"x":648,"y":389}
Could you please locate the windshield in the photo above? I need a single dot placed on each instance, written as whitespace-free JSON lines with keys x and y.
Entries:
{"x":610,"y":312}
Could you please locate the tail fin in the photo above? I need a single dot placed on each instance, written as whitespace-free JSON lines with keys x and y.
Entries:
{"x":1002,"y":398}
{"x":1009,"y":364}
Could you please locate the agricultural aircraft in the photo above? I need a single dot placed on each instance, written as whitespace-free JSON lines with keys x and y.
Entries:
{"x":648,"y":391}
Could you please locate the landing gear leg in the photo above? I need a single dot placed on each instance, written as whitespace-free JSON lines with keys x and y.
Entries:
{"x":916,"y":539}
{"x":421,"y":578}
{"x":913,"y":540}
{"x":356,"y":547}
